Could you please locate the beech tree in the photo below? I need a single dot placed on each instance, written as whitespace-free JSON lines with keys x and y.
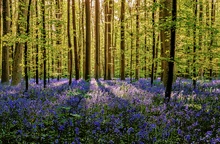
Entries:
{"x":172,"y":53}
{"x":17,"y":68}
{"x":88,"y":41}
{"x":153,"y":44}
{"x":194,"y":43}
{"x":26,"y":46}
{"x":137,"y":40}
{"x":97,"y":42}
{"x":5,"y":48}
{"x":122,"y":69}
{"x":37,"y":46}
{"x":70,"y":53}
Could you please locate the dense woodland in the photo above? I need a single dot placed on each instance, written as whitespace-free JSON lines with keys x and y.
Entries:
{"x":64,"y":54}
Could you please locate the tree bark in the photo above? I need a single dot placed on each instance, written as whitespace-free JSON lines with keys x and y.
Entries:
{"x":106,"y":41}
{"x":165,"y":38}
{"x":26,"y":46}
{"x":58,"y":35}
{"x":70,"y":52}
{"x":153,"y":44}
{"x":88,"y":41}
{"x":172,"y":53}
{"x":37,"y":46}
{"x":75,"y":41}
{"x":17,"y":61}
{"x":109,"y":25}
{"x":122,"y":40}
{"x":97,"y":42}
{"x":43,"y":34}
{"x":5,"y":48}
{"x":194,"y":44}
{"x":137,"y":40}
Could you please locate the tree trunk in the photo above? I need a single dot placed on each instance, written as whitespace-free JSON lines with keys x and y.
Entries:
{"x":194,"y":44}
{"x":83,"y":41}
{"x":145,"y":41}
{"x":132,"y":43}
{"x":58,"y":37}
{"x":70,"y":52}
{"x":43,"y":34}
{"x":211,"y":39}
{"x":97,"y":42}
{"x":106,"y":41}
{"x":122,"y":40}
{"x":37,"y":47}
{"x":75,"y":41}
{"x":17,"y":61}
{"x":88,"y":41}
{"x":153,"y":44}
{"x":172,"y":53}
{"x":137,"y":40}
{"x":109,"y":25}
{"x":165,"y":38}
{"x":5,"y":48}
{"x":26,"y":46}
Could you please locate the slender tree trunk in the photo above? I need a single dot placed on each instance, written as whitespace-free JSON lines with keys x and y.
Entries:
{"x":211,"y":38}
{"x":156,"y":56}
{"x":11,"y":50}
{"x":70,"y":52}
{"x":17,"y":68}
{"x":43,"y":33}
{"x":75,"y":41}
{"x":83,"y":43}
{"x":80,"y":42}
{"x":165,"y":38}
{"x":5,"y":48}
{"x":145,"y":40}
{"x":106,"y":41}
{"x":88,"y":41}
{"x":123,"y":40}
{"x":137,"y":40}
{"x":58,"y":35}
{"x":132,"y":43}
{"x":97,"y":42}
{"x":194,"y":44}
{"x":26,"y":46}
{"x":114,"y":38}
{"x":153,"y":44}
{"x":172,"y":52}
{"x":37,"y":47}
{"x":200,"y":71}
{"x":109,"y":25}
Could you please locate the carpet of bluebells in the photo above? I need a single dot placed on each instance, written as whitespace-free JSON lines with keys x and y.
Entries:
{"x":110,"y":112}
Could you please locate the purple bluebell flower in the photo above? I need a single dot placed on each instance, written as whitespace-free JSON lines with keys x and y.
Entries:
{"x":130,"y":130}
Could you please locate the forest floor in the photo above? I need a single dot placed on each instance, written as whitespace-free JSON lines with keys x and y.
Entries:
{"x":111,"y":111}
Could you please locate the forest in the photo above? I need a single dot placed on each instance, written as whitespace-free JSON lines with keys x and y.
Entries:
{"x":109,"y":71}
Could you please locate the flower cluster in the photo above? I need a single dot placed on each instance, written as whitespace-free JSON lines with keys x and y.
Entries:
{"x":111,"y":111}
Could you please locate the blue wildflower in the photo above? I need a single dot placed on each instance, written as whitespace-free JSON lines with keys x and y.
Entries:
{"x":130,"y":130}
